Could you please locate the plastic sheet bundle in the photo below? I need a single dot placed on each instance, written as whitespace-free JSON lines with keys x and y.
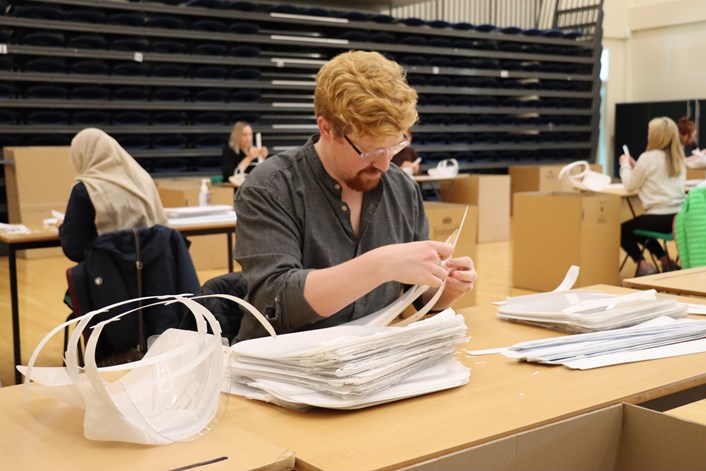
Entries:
{"x":172,"y":394}
{"x":586,"y":311}
{"x":351,"y":366}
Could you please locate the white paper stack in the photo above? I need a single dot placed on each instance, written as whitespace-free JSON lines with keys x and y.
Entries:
{"x":658,"y":338}
{"x":585,"y":311}
{"x":351,"y":366}
{"x":187,"y":215}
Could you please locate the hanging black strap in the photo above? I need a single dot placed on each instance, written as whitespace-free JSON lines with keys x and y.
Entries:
{"x":142,"y":345}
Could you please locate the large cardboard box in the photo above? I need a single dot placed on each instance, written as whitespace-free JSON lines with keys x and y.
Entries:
{"x":695,"y":173}
{"x":444,"y":219}
{"x":38,"y":180}
{"x":552,"y":231}
{"x":491,"y":194}
{"x":621,"y":437}
{"x":207,"y":252}
{"x":525,"y":178}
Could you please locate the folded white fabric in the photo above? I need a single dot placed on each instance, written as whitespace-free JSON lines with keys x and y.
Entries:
{"x":350,"y":366}
{"x":586,"y":311}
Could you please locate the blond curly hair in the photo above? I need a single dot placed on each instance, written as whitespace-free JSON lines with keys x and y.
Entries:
{"x":360,"y":92}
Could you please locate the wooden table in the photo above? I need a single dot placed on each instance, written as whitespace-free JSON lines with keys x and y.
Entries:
{"x":42,"y":433}
{"x":502,"y":398}
{"x":43,"y":238}
{"x":689,"y":282}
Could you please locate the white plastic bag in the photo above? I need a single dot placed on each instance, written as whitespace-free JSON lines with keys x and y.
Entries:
{"x":172,"y":394}
{"x":579,"y":175}
{"x":238,"y":178}
{"x":447,"y":168}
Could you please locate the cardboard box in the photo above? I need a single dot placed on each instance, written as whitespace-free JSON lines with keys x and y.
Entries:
{"x":207,"y":252}
{"x":695,"y":173}
{"x":525,"y":178}
{"x":552,"y":231}
{"x":40,"y":180}
{"x":444,"y":219}
{"x":491,"y":194}
{"x":620,"y":437}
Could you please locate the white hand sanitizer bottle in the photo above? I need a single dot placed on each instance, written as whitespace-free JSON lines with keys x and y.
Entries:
{"x":204,"y":194}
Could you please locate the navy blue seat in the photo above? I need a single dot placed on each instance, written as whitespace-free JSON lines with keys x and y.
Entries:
{"x":89,"y":67}
{"x":130,"y":118}
{"x":382,"y":18}
{"x":133,"y":141}
{"x":383,"y":37}
{"x":485,"y":28}
{"x":440,"y":61}
{"x":436,"y":119}
{"x":287,"y":9}
{"x":169,"y":94}
{"x":355,"y":35}
{"x":413,"y":40}
{"x":126,"y":19}
{"x":49,"y":139}
{"x":208,"y":164}
{"x":206,"y":3}
{"x":245,"y":96}
{"x":463,"y":26}
{"x":242,"y":27}
{"x":244,"y":73}
{"x":7,"y":117}
{"x":209,"y":24}
{"x":90,"y":118}
{"x":439,"y":42}
{"x":41,"y":12}
{"x":207,"y":141}
{"x":49,"y":117}
{"x":316,"y":11}
{"x":53,"y":65}
{"x":245,"y":50}
{"x":412,"y":21}
{"x":45,"y":92}
{"x":87,"y":41}
{"x":532,"y":32}
{"x":85,"y":15}
{"x":439,"y":24}
{"x":130,"y":44}
{"x":210,"y":49}
{"x":209,"y":72}
{"x":169,"y":141}
{"x":413,"y":59}
{"x":169,"y":118}
{"x":210,"y":95}
{"x":130,"y":68}
{"x":145,"y":163}
{"x":130,"y":93}
{"x":356,"y":16}
{"x":511,"y":30}
{"x":242,"y":5}
{"x":7,"y":90}
{"x":165,"y":21}
{"x":168,"y":70}
{"x":171,"y":165}
{"x":210,"y":118}
{"x":90,"y":92}
{"x":416,"y":80}
{"x":42,"y":39}
{"x":250,"y":117}
{"x":167,"y":46}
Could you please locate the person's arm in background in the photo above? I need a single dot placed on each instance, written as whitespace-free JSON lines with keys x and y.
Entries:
{"x":78,"y":230}
{"x":632,"y":173}
{"x":228,"y":159}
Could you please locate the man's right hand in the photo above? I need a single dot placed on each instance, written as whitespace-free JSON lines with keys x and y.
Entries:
{"x":414,"y":263}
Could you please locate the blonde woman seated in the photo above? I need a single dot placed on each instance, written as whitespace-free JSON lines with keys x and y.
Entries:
{"x":239,"y":154}
{"x":658,"y":176}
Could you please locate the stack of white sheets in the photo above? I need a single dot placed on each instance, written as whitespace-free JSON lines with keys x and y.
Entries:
{"x":657,"y":338}
{"x":585,"y":311}
{"x":351,"y":366}
{"x":188,"y":215}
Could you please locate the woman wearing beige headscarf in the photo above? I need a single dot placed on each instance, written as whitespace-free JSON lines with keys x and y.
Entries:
{"x":112,"y":192}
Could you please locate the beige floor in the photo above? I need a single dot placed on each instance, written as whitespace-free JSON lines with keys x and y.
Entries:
{"x":42,"y":285}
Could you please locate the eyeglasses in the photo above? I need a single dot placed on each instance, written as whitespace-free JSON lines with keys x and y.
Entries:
{"x":380,"y":152}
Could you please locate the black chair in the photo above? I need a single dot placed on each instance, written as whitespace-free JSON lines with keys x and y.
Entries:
{"x":169,"y":141}
{"x":87,"y":41}
{"x":130,"y":118}
{"x":89,"y":67}
{"x":45,"y":92}
{"x":95,"y":118}
{"x":131,"y":264}
{"x":132,"y":142}
{"x":130,"y":93}
{"x":89,"y":92}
